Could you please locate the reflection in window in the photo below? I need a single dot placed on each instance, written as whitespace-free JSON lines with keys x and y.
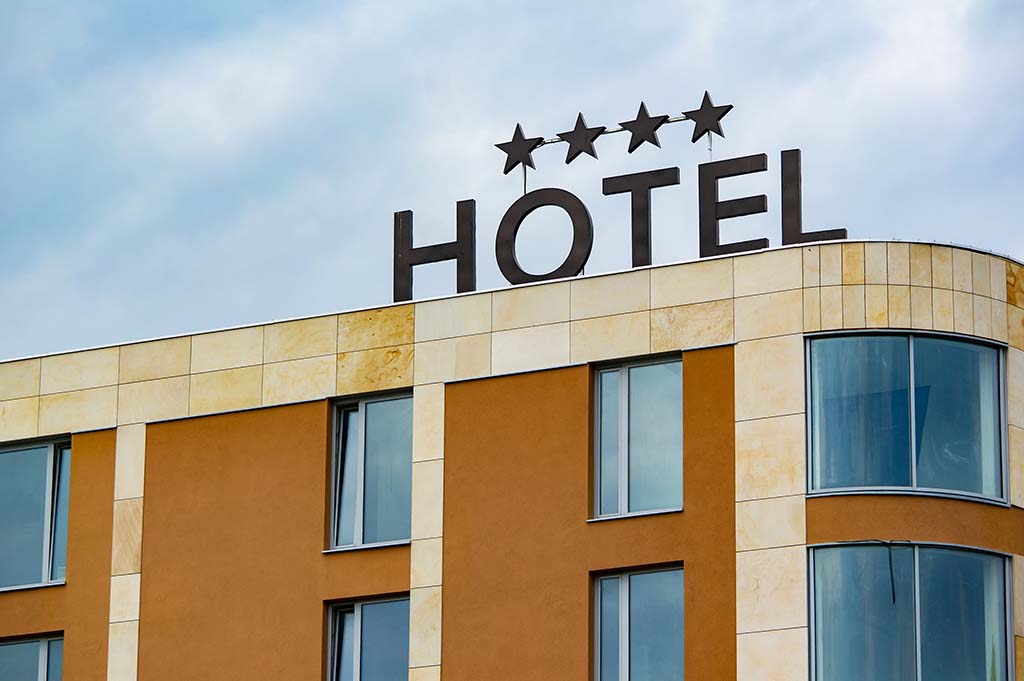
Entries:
{"x":905,"y":411}
{"x":39,"y":660}
{"x":875,"y":606}
{"x":370,"y":641}
{"x":34,"y":486}
{"x":640,"y":438}
{"x":640,"y":627}
{"x":373,"y":472}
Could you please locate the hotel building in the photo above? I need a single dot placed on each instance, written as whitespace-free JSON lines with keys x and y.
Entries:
{"x":805,"y":463}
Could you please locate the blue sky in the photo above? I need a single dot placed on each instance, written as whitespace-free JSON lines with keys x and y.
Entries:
{"x":174,"y":167}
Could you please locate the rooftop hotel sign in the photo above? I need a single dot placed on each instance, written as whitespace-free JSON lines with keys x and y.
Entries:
{"x":580,"y":140}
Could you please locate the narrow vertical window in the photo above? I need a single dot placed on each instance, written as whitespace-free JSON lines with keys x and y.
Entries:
{"x":370,"y":641}
{"x":639,"y":458}
{"x":34,"y":493}
{"x":639,"y":633}
{"x":39,"y":660}
{"x":373,"y":472}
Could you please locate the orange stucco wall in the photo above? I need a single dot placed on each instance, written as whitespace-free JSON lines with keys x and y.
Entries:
{"x":80,"y":608}
{"x":234,"y":582}
{"x":519,"y":556}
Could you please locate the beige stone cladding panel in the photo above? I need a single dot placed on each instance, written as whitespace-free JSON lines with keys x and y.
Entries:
{"x":999,"y":321}
{"x":769,"y":377}
{"x":425,"y":627}
{"x":779,"y":655}
{"x":942,"y":309}
{"x":876,"y":267}
{"x":770,"y":458}
{"x":425,"y":673}
{"x":982,"y":316}
{"x":130,"y":461}
{"x":1015,"y":386}
{"x":379,"y":328}
{"x":812,"y":266}
{"x":921,"y":307}
{"x":698,"y":325}
{"x":516,"y":308}
{"x":831,"y":307}
{"x":831,"y":265}
{"x":697,"y":282}
{"x":126,"y":557}
{"x":920,"y":265}
{"x":78,"y":371}
{"x":155,"y":359}
{"x":149,"y":401}
{"x":898,"y":255}
{"x":452,"y":359}
{"x":124,"y":597}
{"x":227,"y":349}
{"x":425,"y":563}
{"x":771,"y":589}
{"x":123,"y":651}
{"x":876,"y":306}
{"x":452,"y":317}
{"x":625,"y":335}
{"x":229,"y":390}
{"x":610,"y":295}
{"x":853,"y":263}
{"x":428,"y":422}
{"x":530,"y":349}
{"x":981,"y":274}
{"x":1015,"y":284}
{"x":427,"y":499}
{"x":365,"y":371}
{"x":1016,"y":454}
{"x":942,"y":267}
{"x":812,"y":309}
{"x":19,"y":418}
{"x":1018,"y":588}
{"x":963,"y":312}
{"x":78,"y":411}
{"x":769,"y":314}
{"x":768,"y":272}
{"x":997,"y":279}
{"x":19,"y":379}
{"x":1015,"y":326}
{"x":899,"y":307}
{"x":300,"y":380}
{"x":770,"y":523}
{"x":853,"y":307}
{"x":963,"y":277}
{"x":300,"y":339}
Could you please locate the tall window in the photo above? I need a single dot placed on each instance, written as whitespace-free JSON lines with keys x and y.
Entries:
{"x":639,"y":439}
{"x":370,"y":641}
{"x":639,"y":627}
{"x":34,"y":484}
{"x":914,"y":613}
{"x":373,"y":472}
{"x":897,"y":411}
{"x":39,"y":660}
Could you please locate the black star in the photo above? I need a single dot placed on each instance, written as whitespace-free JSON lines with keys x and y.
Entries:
{"x":643,"y":128}
{"x":518,"y":149}
{"x":706,"y":118}
{"x":581,"y":139}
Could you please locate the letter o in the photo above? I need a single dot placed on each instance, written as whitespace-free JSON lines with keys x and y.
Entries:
{"x":508,"y":229}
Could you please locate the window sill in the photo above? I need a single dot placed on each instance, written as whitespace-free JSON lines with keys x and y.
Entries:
{"x":911,"y":492}
{"x":363,"y":547}
{"x":26,"y":587}
{"x":635,"y":514}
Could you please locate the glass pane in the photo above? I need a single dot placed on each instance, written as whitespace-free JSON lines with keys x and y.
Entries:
{"x":609,"y":641}
{"x":345,"y":524}
{"x":19,"y":661}
{"x":23,"y":488}
{"x":609,"y":444}
{"x":59,"y":550}
{"x":384,"y":652}
{"x":656,"y":626}
{"x":956,"y":407}
{"x":656,"y":436}
{"x":963,"y":616}
{"x":860,"y":411}
{"x":55,"y":660}
{"x":387,"y":512}
{"x":344,"y":645}
{"x":864,"y":613}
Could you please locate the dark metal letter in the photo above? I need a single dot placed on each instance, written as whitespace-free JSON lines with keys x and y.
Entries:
{"x":792,"y":205}
{"x":462,"y":250}
{"x":639,"y":185}
{"x":582,"y":235}
{"x":712,"y":210}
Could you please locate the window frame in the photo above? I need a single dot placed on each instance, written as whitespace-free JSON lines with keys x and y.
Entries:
{"x":913,"y":489}
{"x":624,"y":628}
{"x":1008,"y":650}
{"x":623,"y":444}
{"x":42,"y":670}
{"x":55,"y":449}
{"x":337,"y":442}
{"x":356,"y":607}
